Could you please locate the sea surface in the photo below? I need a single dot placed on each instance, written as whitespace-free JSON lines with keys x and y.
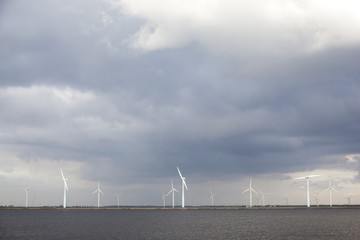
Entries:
{"x":180,"y":224}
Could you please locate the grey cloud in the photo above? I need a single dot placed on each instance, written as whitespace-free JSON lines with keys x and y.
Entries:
{"x":71,"y":89}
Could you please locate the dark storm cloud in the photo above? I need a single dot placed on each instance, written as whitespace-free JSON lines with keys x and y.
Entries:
{"x":73,"y":89}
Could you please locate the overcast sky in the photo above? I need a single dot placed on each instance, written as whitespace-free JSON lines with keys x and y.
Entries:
{"x":123,"y":91}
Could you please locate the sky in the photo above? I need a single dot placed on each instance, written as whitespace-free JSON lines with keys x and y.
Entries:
{"x":124,"y":91}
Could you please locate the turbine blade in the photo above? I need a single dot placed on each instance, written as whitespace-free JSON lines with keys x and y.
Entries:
{"x":95,"y":191}
{"x":175,"y":190}
{"x":66,"y":186}
{"x":245,"y":190}
{"x":169,"y":193}
{"x":310,"y":176}
{"x":101,"y":192}
{"x":62,"y":174}
{"x":185,"y":184}
{"x":299,"y":178}
{"x":179,"y":172}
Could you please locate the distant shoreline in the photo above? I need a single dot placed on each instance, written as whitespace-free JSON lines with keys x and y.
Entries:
{"x":186,"y":208}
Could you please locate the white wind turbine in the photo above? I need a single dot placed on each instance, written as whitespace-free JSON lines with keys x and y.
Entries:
{"x":173,"y":190}
{"x":263,"y":197}
{"x":330,"y":189}
{"x":27,"y":189}
{"x":286,"y":200}
{"x":348,"y":198}
{"x":118,"y":199}
{"x":317,"y":198}
{"x":183,"y":190}
{"x":65,"y":187}
{"x":98,"y":191}
{"x":212,"y":195}
{"x":250,"y":189}
{"x":163,"y":198}
{"x":307,"y":186}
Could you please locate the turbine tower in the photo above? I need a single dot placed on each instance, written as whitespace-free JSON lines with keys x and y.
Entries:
{"x":330,"y":188}
{"x":183,"y":190}
{"x":27,"y":189}
{"x":212,"y":195}
{"x":118,"y":199}
{"x":65,"y":187}
{"x":98,"y":191}
{"x":163,"y":198}
{"x":173,"y":190}
{"x":250,"y":189}
{"x":307,"y":186}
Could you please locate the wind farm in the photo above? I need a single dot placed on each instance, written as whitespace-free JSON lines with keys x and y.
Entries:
{"x":251,"y":190}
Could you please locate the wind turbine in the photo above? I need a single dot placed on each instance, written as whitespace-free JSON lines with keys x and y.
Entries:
{"x":330,"y":188}
{"x":65,"y":187}
{"x":263,"y":197}
{"x":250,"y":189}
{"x":163,"y":198}
{"x":118,"y":199}
{"x":348,"y":198}
{"x":173,"y":190}
{"x":27,"y":189}
{"x":98,"y":191}
{"x":212,"y":197}
{"x":307,"y":186}
{"x":183,"y":190}
{"x":286,"y":200}
{"x":317,"y":198}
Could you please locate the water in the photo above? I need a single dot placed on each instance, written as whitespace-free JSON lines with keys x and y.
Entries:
{"x":180,"y":224}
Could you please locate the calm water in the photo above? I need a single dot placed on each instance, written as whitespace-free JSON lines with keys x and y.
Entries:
{"x":180,"y":224}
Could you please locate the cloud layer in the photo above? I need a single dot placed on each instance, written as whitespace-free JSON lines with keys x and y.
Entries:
{"x":125,"y":91}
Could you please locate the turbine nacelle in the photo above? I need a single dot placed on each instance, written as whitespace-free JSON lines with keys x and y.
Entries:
{"x":249,"y":189}
{"x":98,"y":189}
{"x":172,"y":188}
